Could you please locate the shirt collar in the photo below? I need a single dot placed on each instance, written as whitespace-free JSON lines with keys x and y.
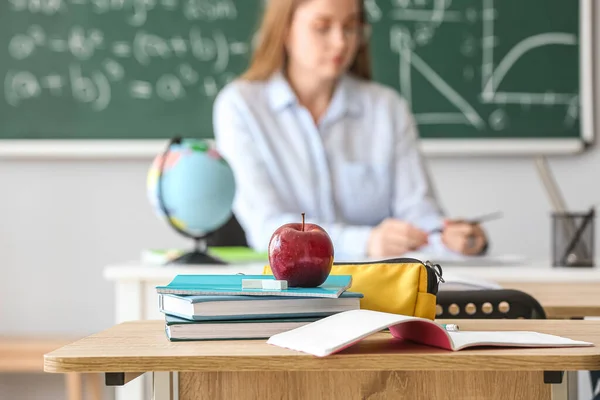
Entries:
{"x":280,"y":92}
{"x":345,"y":100}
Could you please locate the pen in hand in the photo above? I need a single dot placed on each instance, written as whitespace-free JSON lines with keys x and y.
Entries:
{"x":474,"y":221}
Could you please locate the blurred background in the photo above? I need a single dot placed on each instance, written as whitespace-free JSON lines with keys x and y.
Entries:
{"x":64,"y":219}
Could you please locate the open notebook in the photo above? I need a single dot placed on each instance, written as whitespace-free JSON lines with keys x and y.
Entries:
{"x":332,"y":334}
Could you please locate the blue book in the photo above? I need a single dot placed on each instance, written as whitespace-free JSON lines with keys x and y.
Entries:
{"x":231,"y":285}
{"x":178,"y":329}
{"x":213,"y":308}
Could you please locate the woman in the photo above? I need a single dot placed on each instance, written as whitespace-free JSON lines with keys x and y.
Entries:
{"x":305,"y":130}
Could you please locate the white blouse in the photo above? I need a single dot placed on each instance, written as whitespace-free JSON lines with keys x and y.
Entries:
{"x":359,"y":165}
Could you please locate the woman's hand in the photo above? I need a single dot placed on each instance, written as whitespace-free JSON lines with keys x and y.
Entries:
{"x":463,"y":237}
{"x":393,"y":237}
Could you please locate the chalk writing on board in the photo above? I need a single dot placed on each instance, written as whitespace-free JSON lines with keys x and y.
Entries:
{"x":417,"y":22}
{"x":68,"y":49}
{"x":192,"y":47}
{"x":373,"y":11}
{"x":206,"y":10}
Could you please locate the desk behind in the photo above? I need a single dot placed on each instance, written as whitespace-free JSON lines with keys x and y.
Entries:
{"x":563,"y":292}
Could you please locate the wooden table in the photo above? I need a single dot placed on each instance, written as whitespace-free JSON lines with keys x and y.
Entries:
{"x":378,"y":367}
{"x":563,"y":292}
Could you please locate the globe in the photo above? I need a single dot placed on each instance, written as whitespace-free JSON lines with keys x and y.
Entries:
{"x":192,"y":187}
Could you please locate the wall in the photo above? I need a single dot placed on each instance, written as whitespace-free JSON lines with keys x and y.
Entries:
{"x":469,"y":187}
{"x":62,"y":221}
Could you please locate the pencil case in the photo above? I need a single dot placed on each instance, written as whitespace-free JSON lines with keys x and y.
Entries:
{"x":405,"y":286}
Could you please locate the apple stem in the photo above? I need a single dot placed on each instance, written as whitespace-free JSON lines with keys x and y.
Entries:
{"x":302,"y":222}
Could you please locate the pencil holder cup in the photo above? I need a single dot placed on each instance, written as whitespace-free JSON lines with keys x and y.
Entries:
{"x":573,"y":239}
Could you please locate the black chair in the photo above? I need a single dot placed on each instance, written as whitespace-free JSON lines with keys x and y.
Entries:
{"x":230,"y":234}
{"x":488,"y":304}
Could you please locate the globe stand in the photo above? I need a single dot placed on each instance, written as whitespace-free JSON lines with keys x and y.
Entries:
{"x":197,"y":256}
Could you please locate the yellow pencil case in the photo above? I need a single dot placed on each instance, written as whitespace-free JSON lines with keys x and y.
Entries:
{"x":404,"y":286}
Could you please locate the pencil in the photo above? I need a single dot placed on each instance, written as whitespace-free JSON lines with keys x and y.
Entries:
{"x":475,"y":221}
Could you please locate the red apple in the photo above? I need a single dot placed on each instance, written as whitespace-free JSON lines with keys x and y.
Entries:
{"x":301,"y":254}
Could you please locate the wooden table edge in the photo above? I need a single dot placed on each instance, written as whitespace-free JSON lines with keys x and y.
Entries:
{"x":350,"y":362}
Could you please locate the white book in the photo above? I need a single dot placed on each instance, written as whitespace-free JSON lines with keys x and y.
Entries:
{"x":179,"y":329}
{"x":454,"y":282}
{"x":332,"y":334}
{"x":455,"y":259}
{"x":251,"y":307}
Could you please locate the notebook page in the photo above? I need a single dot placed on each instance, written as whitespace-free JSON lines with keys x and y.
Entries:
{"x":336,"y":332}
{"x":465,"y":339}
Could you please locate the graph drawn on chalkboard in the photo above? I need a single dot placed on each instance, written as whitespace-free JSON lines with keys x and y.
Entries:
{"x":409,"y":61}
{"x":498,"y":90}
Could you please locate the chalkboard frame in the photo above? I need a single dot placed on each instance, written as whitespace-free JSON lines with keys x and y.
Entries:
{"x":134,"y":149}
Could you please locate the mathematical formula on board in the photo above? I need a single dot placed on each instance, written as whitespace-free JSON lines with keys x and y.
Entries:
{"x":198,"y":57}
{"x":206,"y":10}
{"x":99,"y":52}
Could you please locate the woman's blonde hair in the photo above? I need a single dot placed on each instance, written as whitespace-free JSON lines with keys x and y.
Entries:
{"x":269,"y":56}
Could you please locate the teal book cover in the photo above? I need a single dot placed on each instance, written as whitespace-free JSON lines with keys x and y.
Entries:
{"x":231,"y":285}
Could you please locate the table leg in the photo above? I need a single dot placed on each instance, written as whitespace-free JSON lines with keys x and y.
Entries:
{"x":130,"y":307}
{"x":162,"y":386}
{"x":74,"y":386}
{"x":566,"y":389}
{"x":572,"y":385}
{"x":350,"y":385}
{"x":93,"y":385}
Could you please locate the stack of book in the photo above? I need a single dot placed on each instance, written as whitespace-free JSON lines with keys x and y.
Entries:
{"x":217,"y":307}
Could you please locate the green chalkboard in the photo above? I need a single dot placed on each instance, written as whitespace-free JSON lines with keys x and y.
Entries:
{"x":484,"y":68}
{"x":149,"y":69}
{"x":118,"y":69}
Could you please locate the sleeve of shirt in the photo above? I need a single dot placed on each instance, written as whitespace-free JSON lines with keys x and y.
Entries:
{"x":414,"y":198}
{"x":258,"y":206}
